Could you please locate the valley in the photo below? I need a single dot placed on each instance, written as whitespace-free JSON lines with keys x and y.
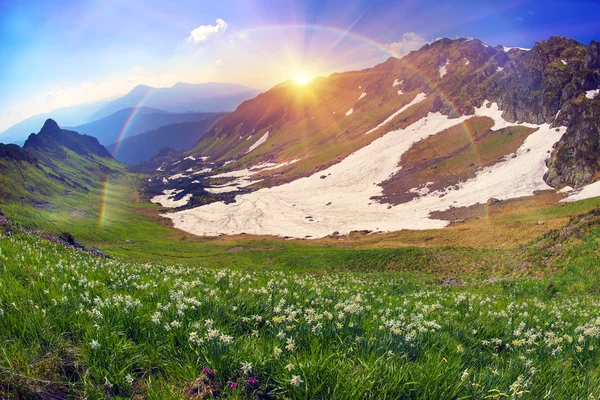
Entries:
{"x":423,"y":226}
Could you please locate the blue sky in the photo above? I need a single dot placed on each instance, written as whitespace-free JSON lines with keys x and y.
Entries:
{"x":58,"y":53}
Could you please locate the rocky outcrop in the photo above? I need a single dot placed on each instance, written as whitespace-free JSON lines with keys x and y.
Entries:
{"x":52,"y":138}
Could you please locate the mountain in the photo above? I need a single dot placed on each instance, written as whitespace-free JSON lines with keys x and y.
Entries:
{"x":53,"y":139}
{"x":67,"y":116}
{"x":134,"y":121}
{"x":407,"y":144}
{"x":182,"y":97}
{"x":53,"y":166}
{"x":179,"y":136}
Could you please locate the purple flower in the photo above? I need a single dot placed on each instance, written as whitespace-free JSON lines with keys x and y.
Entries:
{"x":252,"y":381}
{"x":187,"y":383}
{"x":233,"y":385}
{"x":208,"y":371}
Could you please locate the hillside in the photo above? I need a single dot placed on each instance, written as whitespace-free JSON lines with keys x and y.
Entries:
{"x":180,"y":136}
{"x":182,"y":98}
{"x":453,"y":125}
{"x":56,"y":171}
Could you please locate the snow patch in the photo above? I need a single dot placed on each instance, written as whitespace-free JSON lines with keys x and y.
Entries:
{"x":177,"y":176}
{"x":467,"y":62}
{"x":342,"y":202}
{"x":167,"y":199}
{"x":507,"y":49}
{"x":499,"y":69}
{"x":202,"y":171}
{"x":350,"y":111}
{"x":566,"y":189}
{"x":260,"y":141}
{"x":442,"y":68}
{"x":363,"y":94}
{"x":397,"y":82}
{"x":590,"y":94}
{"x":191,"y":158}
{"x":587,"y":192}
{"x":418,"y":98}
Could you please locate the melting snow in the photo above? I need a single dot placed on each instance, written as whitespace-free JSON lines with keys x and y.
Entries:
{"x":260,"y":141}
{"x":363,"y":94}
{"x":587,"y":192}
{"x":443,"y":68}
{"x":566,"y":189}
{"x":202,"y":171}
{"x":350,"y":111}
{"x":507,"y":49}
{"x":351,"y":183}
{"x":397,"y":82}
{"x":191,"y":158}
{"x":467,"y":62}
{"x":166,"y":199}
{"x":242,"y":177}
{"x":590,"y":94}
{"x":204,"y":158}
{"x":418,"y":98}
{"x":499,"y":69}
{"x":177,"y":176}
{"x":564,"y":62}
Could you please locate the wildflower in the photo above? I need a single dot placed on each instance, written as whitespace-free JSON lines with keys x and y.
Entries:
{"x":296,"y":380}
{"x":289,"y":367}
{"x":233,"y":385}
{"x":107,"y":383}
{"x":252,"y":381}
{"x":464,"y":375}
{"x":94,"y":344}
{"x":129,"y":379}
{"x":277,"y":352}
{"x":246,"y":367}
{"x":290,"y":344}
{"x":208,"y":371}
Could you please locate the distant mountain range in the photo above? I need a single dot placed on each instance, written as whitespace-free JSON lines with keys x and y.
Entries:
{"x":68,"y":116}
{"x":133,"y":121}
{"x":178,"y":136}
{"x":181,"y":98}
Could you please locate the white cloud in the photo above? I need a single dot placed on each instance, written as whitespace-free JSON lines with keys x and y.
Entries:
{"x":204,"y":32}
{"x":410,"y":41}
{"x":217,"y":63}
{"x":243,"y":35}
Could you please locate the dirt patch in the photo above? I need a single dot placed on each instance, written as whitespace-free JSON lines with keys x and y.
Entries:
{"x":458,"y":214}
{"x":78,"y":214}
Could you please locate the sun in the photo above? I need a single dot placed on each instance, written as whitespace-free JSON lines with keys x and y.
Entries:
{"x":301,"y":80}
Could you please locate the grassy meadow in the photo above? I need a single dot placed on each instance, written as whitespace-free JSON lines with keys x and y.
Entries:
{"x":74,"y":325}
{"x":172,"y":316}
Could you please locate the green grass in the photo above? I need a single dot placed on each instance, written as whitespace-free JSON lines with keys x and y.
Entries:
{"x":353,"y":334}
{"x":365,"y":322}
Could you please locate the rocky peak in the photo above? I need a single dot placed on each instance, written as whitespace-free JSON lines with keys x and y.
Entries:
{"x":50,"y":127}
{"x":52,"y":138}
